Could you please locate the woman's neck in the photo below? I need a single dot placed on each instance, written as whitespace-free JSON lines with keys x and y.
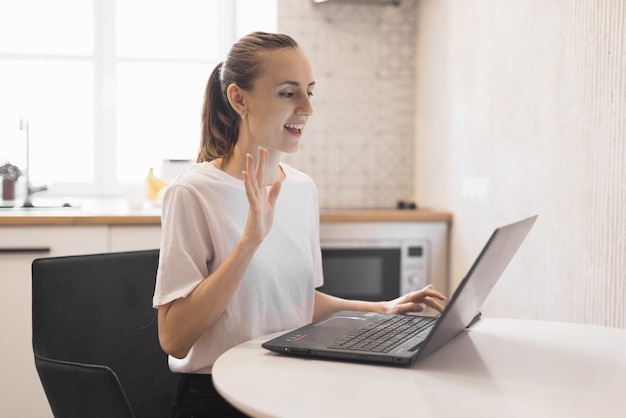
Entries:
{"x":237,"y":163}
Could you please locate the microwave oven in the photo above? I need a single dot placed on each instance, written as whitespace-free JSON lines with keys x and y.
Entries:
{"x":382,"y":260}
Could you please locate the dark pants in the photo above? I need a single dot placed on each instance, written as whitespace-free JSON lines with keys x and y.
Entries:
{"x":197,"y":398}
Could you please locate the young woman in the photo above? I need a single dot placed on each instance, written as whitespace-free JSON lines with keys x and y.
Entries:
{"x":240,"y":254}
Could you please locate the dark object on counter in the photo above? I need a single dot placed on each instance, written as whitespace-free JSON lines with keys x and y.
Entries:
{"x":406,"y":205}
{"x":95,"y":336}
{"x":8,"y":189}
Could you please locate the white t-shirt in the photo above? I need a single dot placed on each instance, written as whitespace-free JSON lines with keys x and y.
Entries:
{"x":204,"y":214}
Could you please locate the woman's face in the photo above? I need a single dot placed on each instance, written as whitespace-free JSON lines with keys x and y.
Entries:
{"x":279,"y":104}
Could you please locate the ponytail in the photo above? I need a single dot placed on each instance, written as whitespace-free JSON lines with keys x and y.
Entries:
{"x":220,"y":127}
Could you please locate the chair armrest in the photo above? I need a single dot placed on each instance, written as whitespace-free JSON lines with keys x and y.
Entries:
{"x":82,"y":390}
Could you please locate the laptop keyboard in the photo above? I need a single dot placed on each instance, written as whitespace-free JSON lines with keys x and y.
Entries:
{"x":384,"y":335}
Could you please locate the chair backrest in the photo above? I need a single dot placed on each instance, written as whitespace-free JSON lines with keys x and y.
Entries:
{"x":95,"y":335}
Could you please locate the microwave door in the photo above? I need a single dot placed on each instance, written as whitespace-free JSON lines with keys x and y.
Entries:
{"x":368,"y":273}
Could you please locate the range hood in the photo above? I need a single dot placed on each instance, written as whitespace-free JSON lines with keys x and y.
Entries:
{"x":378,"y":2}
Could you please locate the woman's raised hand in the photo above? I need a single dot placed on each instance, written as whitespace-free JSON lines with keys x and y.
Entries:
{"x":262,"y":201}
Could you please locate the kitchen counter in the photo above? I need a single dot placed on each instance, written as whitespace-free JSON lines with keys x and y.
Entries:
{"x":115,"y":211}
{"x":384,"y":215}
{"x":83,"y":211}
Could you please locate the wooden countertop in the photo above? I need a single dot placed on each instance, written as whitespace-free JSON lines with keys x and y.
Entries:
{"x":384,"y":215}
{"x":84,"y":211}
{"x":116,"y":212}
{"x":53,"y":219}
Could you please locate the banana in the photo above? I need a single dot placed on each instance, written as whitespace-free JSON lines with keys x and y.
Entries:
{"x":156,"y":186}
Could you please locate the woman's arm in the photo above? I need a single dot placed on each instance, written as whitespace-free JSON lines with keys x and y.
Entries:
{"x":411,"y":302}
{"x":184,"y":320}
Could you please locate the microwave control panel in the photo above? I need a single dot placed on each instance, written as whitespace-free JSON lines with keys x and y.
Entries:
{"x":414,"y":265}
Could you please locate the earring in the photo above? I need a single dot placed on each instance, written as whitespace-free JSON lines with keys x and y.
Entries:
{"x":243,"y":116}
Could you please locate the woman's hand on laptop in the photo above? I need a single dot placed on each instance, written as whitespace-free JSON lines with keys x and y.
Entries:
{"x":416,"y":301}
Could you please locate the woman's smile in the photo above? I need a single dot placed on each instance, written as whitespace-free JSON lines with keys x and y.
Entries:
{"x":295,"y":129}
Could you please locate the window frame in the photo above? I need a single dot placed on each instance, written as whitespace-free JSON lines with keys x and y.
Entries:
{"x":104,"y":62}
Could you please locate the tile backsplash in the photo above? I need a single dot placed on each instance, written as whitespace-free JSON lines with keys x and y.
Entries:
{"x":359,"y":144}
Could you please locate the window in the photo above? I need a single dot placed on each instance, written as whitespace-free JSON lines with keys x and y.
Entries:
{"x":112,"y":88}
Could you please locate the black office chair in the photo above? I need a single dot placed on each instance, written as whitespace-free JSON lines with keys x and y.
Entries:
{"x":95,"y":336}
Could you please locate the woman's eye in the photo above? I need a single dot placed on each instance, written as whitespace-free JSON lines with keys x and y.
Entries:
{"x":289,"y":95}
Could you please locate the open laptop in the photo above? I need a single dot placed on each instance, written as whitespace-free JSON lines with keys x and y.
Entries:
{"x":347,"y":335}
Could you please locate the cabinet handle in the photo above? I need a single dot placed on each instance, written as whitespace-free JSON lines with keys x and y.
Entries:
{"x":24,"y":250}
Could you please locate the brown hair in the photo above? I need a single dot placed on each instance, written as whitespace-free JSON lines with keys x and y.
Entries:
{"x":220,"y":122}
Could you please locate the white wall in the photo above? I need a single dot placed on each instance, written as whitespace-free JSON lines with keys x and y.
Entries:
{"x":521,"y":109}
{"x":358,"y":146}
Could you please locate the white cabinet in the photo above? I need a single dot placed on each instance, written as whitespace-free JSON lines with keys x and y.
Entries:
{"x":22,"y":393}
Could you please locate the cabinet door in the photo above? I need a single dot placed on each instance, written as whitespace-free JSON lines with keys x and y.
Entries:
{"x":134,"y":237}
{"x":21,"y":389}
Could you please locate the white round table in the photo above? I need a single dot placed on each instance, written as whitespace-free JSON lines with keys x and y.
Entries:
{"x":498,"y":368}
